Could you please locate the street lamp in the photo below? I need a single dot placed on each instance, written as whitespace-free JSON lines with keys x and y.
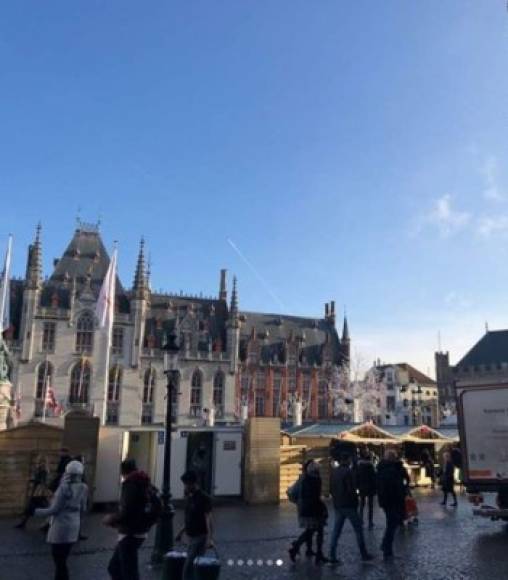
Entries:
{"x":164,"y":531}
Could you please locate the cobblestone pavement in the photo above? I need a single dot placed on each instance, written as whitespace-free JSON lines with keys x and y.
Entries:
{"x":448,"y":544}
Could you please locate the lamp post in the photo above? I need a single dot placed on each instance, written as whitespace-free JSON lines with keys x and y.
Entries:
{"x":164,"y":531}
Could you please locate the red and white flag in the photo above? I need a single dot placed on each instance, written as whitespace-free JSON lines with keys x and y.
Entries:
{"x":50,"y":401}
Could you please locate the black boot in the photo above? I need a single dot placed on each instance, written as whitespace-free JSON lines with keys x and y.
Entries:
{"x":321,"y":558}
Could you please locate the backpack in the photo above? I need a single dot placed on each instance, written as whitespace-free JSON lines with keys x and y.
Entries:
{"x":153,"y":506}
{"x":294,"y":491}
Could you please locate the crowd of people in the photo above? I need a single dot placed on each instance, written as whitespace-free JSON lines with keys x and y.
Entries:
{"x":354,"y":483}
{"x":64,"y":500}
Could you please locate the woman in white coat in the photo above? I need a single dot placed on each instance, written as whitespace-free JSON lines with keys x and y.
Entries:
{"x":68,"y":503}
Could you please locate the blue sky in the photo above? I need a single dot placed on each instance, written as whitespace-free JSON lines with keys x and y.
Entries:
{"x":350,"y":150}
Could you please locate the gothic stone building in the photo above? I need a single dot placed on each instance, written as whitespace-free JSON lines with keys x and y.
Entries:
{"x":226,"y":356}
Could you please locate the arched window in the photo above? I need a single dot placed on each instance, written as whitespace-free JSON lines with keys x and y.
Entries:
{"x":44,"y":380}
{"x":149,"y":385}
{"x":84,"y":335}
{"x":81,"y":376}
{"x":218,"y":393}
{"x":196,"y":394}
{"x":113,"y":402}
{"x":148,"y":396}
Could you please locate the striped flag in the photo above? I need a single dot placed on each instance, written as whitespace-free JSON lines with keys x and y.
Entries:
{"x":5,"y":290}
{"x":50,"y":401}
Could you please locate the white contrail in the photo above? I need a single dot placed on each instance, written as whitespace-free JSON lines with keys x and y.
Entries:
{"x":257,"y":274}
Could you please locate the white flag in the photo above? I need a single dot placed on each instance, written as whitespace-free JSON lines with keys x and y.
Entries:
{"x":105,"y":309}
{"x":5,"y":290}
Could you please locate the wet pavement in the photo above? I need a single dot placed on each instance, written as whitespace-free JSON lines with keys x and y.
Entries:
{"x":448,"y":544}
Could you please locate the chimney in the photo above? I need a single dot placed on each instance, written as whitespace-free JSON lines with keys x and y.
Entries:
{"x":327,"y":313}
{"x":223,"y":293}
{"x":332,"y":311}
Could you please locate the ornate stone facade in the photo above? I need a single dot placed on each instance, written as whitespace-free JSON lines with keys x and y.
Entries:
{"x":55,"y":343}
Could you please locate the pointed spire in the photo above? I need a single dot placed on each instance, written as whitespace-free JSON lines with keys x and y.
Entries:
{"x":140,"y":279}
{"x":34,"y":269}
{"x":234,"y":303}
{"x":345,"y":330}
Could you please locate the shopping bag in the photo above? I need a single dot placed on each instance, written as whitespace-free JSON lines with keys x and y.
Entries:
{"x":173,"y":564}
{"x":207,"y":567}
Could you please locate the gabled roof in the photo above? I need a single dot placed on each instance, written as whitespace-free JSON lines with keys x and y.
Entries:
{"x":491,"y":349}
{"x":273,"y":330}
{"x":414,"y":374}
{"x":84,"y":258}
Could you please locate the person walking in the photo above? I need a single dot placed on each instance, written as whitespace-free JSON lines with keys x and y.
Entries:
{"x":67,"y":505}
{"x":392,"y":483}
{"x":130,"y":521}
{"x":38,"y":491}
{"x":427,"y":462}
{"x":366,"y":484}
{"x":312,"y":513}
{"x":448,"y":479}
{"x":345,"y":503}
{"x":198,"y":522}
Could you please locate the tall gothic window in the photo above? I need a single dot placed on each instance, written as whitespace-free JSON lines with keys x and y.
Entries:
{"x":48,"y":337}
{"x":113,"y":402}
{"x":117,"y":342}
{"x":148,"y":396}
{"x":84,"y":336}
{"x":218,"y":393}
{"x":322,"y":399}
{"x":306,"y":392}
{"x":196,"y":394}
{"x":260,"y":404}
{"x":81,"y":376}
{"x":277,"y":393}
{"x":44,"y":379}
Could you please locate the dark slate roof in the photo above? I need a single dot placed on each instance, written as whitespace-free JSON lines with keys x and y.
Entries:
{"x":274,"y":330}
{"x":208,"y":316}
{"x":85,"y":256}
{"x":491,"y":349}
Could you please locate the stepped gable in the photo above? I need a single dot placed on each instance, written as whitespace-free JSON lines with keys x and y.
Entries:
{"x":275,"y":331}
{"x":86,"y":261}
{"x":204,"y":317}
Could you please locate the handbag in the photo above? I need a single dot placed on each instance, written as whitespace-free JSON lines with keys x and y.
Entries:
{"x":293,"y":492}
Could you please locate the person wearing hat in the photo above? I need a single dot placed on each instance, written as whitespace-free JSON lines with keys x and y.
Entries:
{"x":67,"y":505}
{"x":198,"y":522}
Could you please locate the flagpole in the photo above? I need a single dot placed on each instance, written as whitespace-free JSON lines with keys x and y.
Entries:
{"x":105,"y":314}
{"x":4,"y":297}
{"x":45,"y":388}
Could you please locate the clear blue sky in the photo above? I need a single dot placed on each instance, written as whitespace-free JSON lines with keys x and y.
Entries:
{"x":351,"y":150}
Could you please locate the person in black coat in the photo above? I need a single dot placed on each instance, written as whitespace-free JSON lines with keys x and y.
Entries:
{"x":392,"y":484}
{"x":448,"y":479}
{"x":312,"y":512}
{"x":366,"y":484}
{"x":427,"y":462}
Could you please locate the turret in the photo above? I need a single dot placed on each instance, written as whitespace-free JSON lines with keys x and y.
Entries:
{"x":31,"y":295}
{"x":139,"y":305}
{"x":345,"y":342}
{"x":140,"y":285}
{"x":34,"y":265}
{"x":233,"y":330}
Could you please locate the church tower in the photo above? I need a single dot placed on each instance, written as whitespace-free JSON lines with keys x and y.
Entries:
{"x":345,"y":343}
